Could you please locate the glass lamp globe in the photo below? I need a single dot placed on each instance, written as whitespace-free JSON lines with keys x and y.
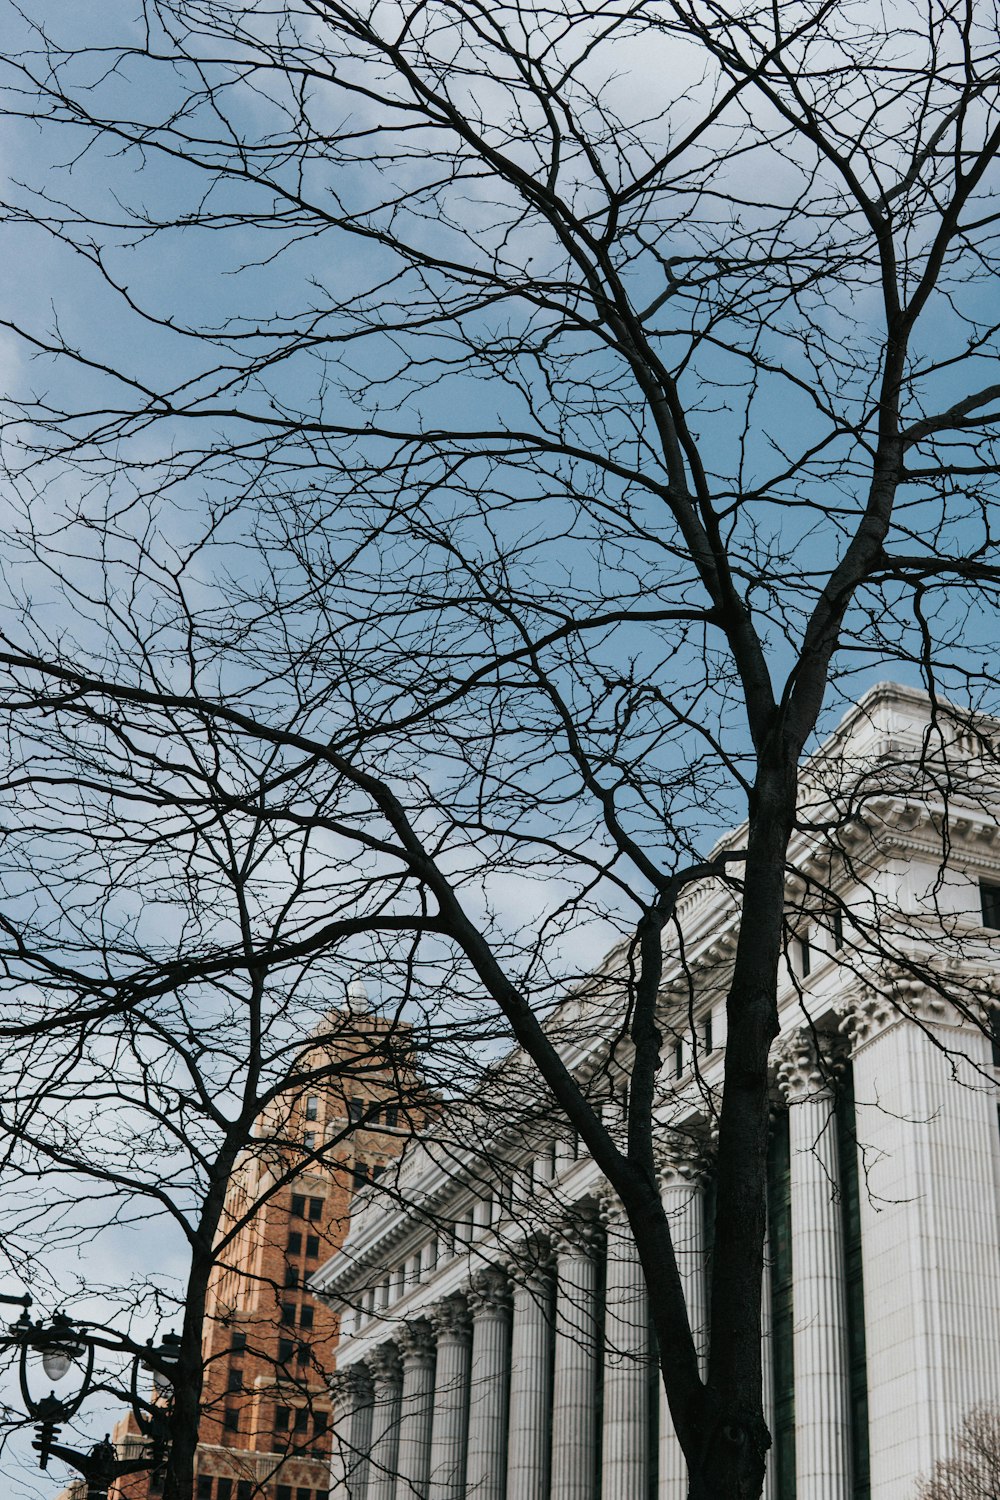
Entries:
{"x":55,"y":1362}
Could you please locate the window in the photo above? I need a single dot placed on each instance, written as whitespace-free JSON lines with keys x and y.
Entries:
{"x":312,"y":1246}
{"x":291,"y":1276}
{"x":231,"y":1419}
{"x":302,"y":1354}
{"x":223,"y":1489}
{"x":805,"y":956}
{"x":377,"y":1171}
{"x":204,"y":1487}
{"x":315,"y":1208}
{"x":295,"y":1243}
{"x":239,"y":1343}
{"x":235,"y":1382}
{"x":355,"y":1108}
{"x":301,"y":1420}
{"x":288,"y":1314}
{"x":320,"y":1421}
{"x":989,"y":899}
{"x":706,"y":1034}
{"x":282,"y":1417}
{"x":678,"y":1059}
{"x":312,"y":1107}
{"x":306,"y":1317}
{"x":359,"y":1175}
{"x":298,"y":1206}
{"x":244,"y":1489}
{"x":284,"y":1492}
{"x":286,"y":1349}
{"x":391,"y":1114}
{"x":302,"y":1494}
{"x":837,"y":930}
{"x":309,"y":1140}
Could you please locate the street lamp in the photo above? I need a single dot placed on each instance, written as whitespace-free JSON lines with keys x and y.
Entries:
{"x":63,"y":1345}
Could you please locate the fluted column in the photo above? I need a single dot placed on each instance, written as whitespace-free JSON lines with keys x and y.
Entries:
{"x":574,"y":1395}
{"x":386,"y":1373}
{"x":450,"y":1320}
{"x":351,"y":1390}
{"x":625,"y":1450}
{"x":926,"y":1126}
{"x":819,"y":1340}
{"x":416,"y":1344}
{"x":680,"y":1187}
{"x":530,"y":1379}
{"x":489,"y":1302}
{"x":767,"y":1363}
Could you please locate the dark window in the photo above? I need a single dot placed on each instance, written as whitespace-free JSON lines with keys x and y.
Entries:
{"x":239,"y":1343}
{"x":989,"y":898}
{"x":805,"y":957}
{"x":312,"y":1246}
{"x":223,"y":1489}
{"x":235,"y":1379}
{"x":244,"y":1489}
{"x":295,"y":1243}
{"x":303,"y":1494}
{"x":320,"y":1421}
{"x":291,"y":1275}
{"x":309,"y":1140}
{"x":391,"y":1114}
{"x":678,"y":1059}
{"x":312,"y":1107}
{"x":282,"y":1417}
{"x":837,"y":929}
{"x":355,"y":1108}
{"x":302,"y":1354}
{"x":322,"y":1495}
{"x":284,"y":1492}
{"x":301,"y":1419}
{"x":377,"y":1171}
{"x":306,"y":1317}
{"x":231,"y":1419}
{"x":298,"y":1206}
{"x":204,"y":1487}
{"x":706,"y":1034}
{"x":315,"y":1208}
{"x":359,"y":1175}
{"x":285,"y":1351}
{"x":288,"y":1314}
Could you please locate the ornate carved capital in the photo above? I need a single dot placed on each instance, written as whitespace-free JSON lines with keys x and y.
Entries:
{"x":685,"y":1159}
{"x":384,"y":1364}
{"x":351,"y":1386}
{"x":489,"y":1293}
{"x":450,"y":1319}
{"x":416,"y":1341}
{"x":806,"y":1068}
{"x":580,"y":1233}
{"x":898,"y":997}
{"x":530,"y":1266}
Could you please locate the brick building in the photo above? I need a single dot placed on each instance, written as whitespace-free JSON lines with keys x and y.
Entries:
{"x":269,"y":1345}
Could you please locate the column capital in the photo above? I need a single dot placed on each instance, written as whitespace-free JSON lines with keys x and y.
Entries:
{"x":351,"y":1384}
{"x":449,"y":1318}
{"x":416,"y":1342}
{"x":579,"y":1234}
{"x":531,"y":1266}
{"x":489,"y":1293}
{"x":894,"y":996}
{"x":807,"y":1066}
{"x":686,"y":1159}
{"x":384,"y":1364}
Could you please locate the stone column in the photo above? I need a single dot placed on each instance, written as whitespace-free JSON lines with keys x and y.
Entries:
{"x":386,"y":1374}
{"x":489,"y":1301}
{"x":530,"y":1379}
{"x":416,"y":1344}
{"x":625,"y":1446}
{"x":767,"y":1362}
{"x":449,"y":1432}
{"x":819,"y":1342}
{"x":574,"y":1394}
{"x":926,"y":1120}
{"x":351,"y":1390}
{"x":680,"y":1187}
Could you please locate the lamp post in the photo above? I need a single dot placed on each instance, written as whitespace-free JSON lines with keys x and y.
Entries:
{"x":62,"y":1344}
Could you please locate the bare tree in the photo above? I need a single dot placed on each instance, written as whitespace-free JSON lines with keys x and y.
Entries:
{"x":975,"y":1473}
{"x":518,"y":427}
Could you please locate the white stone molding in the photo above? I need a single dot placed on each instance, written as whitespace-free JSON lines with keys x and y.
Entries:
{"x":574,"y":1395}
{"x":681,"y":1176}
{"x":490,"y":1301}
{"x":449,"y":1431}
{"x":531,"y":1278}
{"x":416,"y":1345}
{"x":625,"y":1457}
{"x":386,"y":1372}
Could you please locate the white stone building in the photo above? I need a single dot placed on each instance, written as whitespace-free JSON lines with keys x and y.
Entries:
{"x":494,"y":1341}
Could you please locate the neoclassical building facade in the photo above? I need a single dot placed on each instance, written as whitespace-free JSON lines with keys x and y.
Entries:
{"x":494,"y":1334}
